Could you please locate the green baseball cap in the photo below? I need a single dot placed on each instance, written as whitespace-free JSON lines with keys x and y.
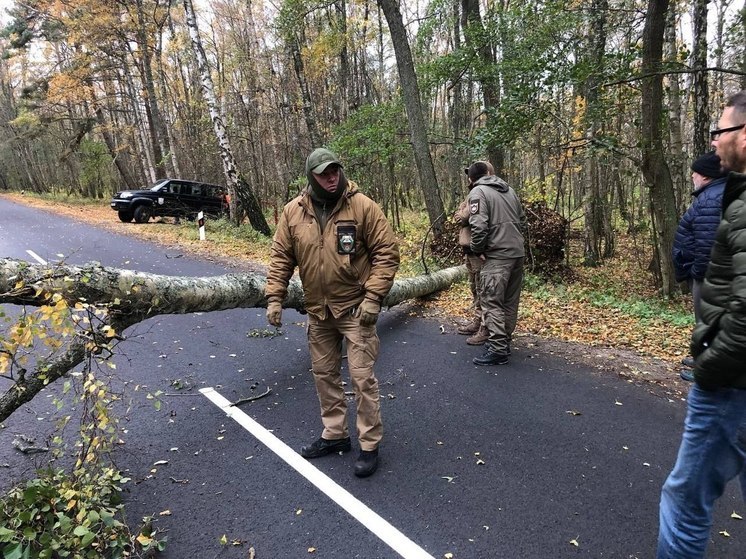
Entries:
{"x":320,"y":159}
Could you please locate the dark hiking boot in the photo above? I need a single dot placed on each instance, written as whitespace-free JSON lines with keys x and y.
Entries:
{"x":688,"y":361}
{"x":366,"y":463}
{"x":470,"y":327}
{"x":479,"y":338}
{"x":321,"y":447}
{"x":491,"y":358}
{"x":687,"y":375}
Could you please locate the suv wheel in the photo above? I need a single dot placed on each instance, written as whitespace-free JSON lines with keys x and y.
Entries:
{"x":125,"y":216}
{"x":142,"y":214}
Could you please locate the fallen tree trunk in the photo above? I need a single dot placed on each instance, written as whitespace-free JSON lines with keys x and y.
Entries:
{"x":131,"y":297}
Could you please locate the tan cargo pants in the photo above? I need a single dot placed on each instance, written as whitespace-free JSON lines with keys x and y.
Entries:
{"x":325,"y":345}
{"x":501,"y":280}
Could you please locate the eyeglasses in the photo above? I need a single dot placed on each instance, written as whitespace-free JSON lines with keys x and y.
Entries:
{"x":715,"y":134}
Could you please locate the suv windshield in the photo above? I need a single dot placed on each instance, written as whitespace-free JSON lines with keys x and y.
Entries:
{"x":158,"y":185}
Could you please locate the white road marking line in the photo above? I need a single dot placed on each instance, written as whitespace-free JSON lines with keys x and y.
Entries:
{"x":361,"y":512}
{"x":36,"y":257}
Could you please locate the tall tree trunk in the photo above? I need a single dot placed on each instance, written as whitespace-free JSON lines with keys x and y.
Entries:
{"x":238,"y":191}
{"x":675,"y":110}
{"x":488,"y":78}
{"x":413,"y":106}
{"x":654,"y":167}
{"x":594,"y":202}
{"x":300,"y":73}
{"x":701,"y":127}
{"x":151,"y":103}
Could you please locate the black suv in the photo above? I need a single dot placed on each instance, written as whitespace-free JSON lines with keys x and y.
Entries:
{"x":172,"y":198}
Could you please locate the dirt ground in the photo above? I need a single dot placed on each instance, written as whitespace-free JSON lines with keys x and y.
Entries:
{"x":628,"y":364}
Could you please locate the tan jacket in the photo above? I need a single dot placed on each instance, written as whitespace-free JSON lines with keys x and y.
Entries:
{"x":334,"y":274}
{"x":461,"y":217}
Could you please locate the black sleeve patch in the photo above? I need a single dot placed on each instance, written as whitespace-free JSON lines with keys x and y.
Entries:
{"x":474,"y":207}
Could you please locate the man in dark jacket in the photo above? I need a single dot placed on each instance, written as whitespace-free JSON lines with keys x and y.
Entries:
{"x":696,"y":231}
{"x":496,"y":222}
{"x":713,"y":446}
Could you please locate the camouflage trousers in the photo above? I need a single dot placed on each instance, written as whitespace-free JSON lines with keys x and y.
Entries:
{"x":500,"y":292}
{"x":474,"y":266}
{"x":325,"y":345}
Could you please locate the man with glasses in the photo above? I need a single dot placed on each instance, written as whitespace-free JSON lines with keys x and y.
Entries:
{"x":713,"y":446}
{"x":347,"y":256}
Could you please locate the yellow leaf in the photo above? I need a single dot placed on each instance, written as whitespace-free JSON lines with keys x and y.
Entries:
{"x":575,"y":542}
{"x":223,"y":539}
{"x":448,"y":555}
{"x":311,"y":550}
{"x":144,"y":540}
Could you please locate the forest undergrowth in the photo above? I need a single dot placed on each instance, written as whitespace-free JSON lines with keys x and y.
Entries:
{"x":614,"y":305}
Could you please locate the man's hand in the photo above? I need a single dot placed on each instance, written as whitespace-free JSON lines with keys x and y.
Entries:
{"x":368,"y":312}
{"x":274,"y":313}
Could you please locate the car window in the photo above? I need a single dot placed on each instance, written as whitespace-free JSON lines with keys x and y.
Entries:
{"x":157,"y":186}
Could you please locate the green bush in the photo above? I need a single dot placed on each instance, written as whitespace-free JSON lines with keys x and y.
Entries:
{"x":78,"y":516}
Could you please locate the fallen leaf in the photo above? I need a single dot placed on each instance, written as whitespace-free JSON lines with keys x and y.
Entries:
{"x":573,"y":412}
{"x":165,"y":513}
{"x":736,"y":516}
{"x":618,"y":403}
{"x":480,"y":462}
{"x":448,"y":556}
{"x":449,"y":479}
{"x":724,"y":534}
{"x":575,"y":542}
{"x":223,"y":539}
{"x":311,"y":550}
{"x":160,"y":463}
{"x":298,"y":512}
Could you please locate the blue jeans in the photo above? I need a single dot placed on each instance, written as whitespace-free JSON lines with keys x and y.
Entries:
{"x":712,"y":452}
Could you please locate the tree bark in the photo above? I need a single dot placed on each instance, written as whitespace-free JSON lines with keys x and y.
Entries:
{"x":132,"y":296}
{"x":701,"y":127}
{"x":654,"y":167}
{"x":413,"y":106}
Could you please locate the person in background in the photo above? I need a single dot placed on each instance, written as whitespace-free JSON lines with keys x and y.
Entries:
{"x":713,"y":446}
{"x":475,"y":329}
{"x":696,"y":232}
{"x":496,"y":221}
{"x":347,"y":256}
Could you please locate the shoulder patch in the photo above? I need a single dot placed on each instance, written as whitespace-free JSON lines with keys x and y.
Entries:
{"x":474,"y":207}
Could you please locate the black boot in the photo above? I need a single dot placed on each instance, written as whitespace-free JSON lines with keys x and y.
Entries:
{"x":367,"y":463}
{"x":491,"y":358}
{"x":321,"y":447}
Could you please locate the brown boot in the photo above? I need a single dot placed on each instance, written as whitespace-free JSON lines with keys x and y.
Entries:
{"x":479,"y":338}
{"x":470,"y":327}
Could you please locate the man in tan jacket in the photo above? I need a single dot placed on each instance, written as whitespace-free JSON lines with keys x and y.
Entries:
{"x":347,"y":256}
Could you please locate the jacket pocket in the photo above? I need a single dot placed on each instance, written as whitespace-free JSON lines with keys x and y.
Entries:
{"x":704,"y":334}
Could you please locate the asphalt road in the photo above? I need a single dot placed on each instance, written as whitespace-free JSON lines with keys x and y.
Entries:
{"x":541,"y":458}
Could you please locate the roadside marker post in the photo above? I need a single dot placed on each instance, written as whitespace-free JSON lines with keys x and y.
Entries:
{"x":201,"y":223}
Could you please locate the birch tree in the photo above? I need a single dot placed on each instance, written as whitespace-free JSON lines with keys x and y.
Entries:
{"x":111,"y":300}
{"x":239,"y":190}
